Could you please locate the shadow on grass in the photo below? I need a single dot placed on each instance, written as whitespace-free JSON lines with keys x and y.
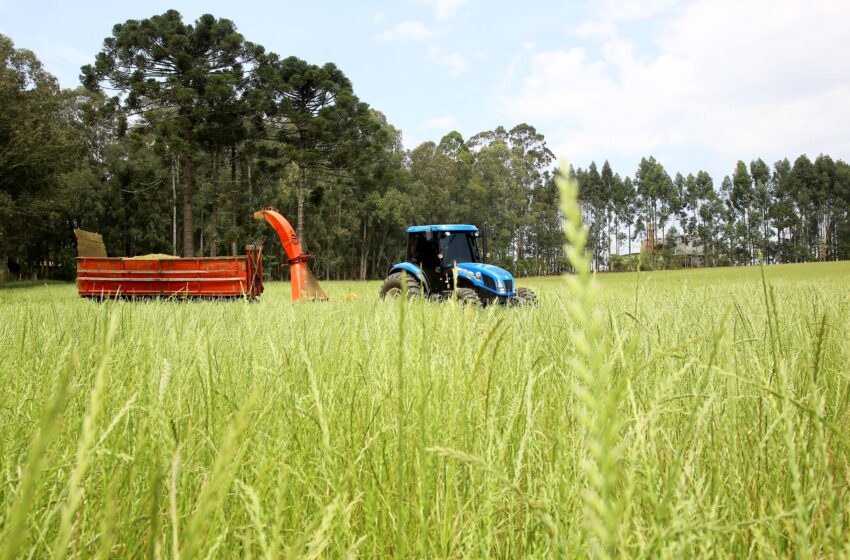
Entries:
{"x":31,"y":284}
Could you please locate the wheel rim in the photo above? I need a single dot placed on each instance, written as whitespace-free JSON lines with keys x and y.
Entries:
{"x":393,"y":293}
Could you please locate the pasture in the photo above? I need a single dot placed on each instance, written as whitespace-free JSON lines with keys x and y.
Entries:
{"x":696,"y":413}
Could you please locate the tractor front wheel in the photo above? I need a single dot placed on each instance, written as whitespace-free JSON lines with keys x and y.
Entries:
{"x":393,"y":286}
{"x":468,"y":296}
{"x":525,"y":297}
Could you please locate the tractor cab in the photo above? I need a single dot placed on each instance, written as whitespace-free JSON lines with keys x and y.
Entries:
{"x":436,"y":250}
{"x":444,"y":261}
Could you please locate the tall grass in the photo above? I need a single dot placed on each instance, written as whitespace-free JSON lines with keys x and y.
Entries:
{"x":680,"y":414}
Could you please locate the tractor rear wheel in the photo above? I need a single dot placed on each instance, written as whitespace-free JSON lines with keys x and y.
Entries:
{"x":393,"y":286}
{"x":525,"y":297}
{"x":468,"y":296}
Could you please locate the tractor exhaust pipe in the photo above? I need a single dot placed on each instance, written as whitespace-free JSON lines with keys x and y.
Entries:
{"x":304,"y":284}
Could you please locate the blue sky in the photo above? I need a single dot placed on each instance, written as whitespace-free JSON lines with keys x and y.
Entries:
{"x":698,"y":84}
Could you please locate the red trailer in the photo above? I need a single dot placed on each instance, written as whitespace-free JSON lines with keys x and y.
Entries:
{"x":212,"y":277}
{"x":163,"y":276}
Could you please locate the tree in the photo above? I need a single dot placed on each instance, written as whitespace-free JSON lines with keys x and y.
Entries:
{"x":800,"y":185}
{"x":530,"y":159}
{"x":704,"y":205}
{"x":38,"y":144}
{"x":741,"y":199}
{"x":592,"y":197}
{"x":761,"y":199}
{"x":314,"y":115}
{"x":608,"y":193}
{"x":655,"y":189}
{"x":627,"y":204}
{"x":161,"y":65}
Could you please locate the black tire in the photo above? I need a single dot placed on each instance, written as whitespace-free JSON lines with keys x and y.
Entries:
{"x":392,"y":286}
{"x":468,"y":296}
{"x":525,"y":297}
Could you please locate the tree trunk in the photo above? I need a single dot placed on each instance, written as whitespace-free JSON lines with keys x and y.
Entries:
{"x":201,"y":248}
{"x":302,"y":194}
{"x":175,"y":171}
{"x":234,"y":202}
{"x":216,"y":189}
{"x":379,"y":255}
{"x":520,"y":253}
{"x":364,"y":252}
{"x":188,"y":229}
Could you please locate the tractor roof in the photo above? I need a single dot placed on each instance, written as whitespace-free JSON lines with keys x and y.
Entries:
{"x":442,"y":227}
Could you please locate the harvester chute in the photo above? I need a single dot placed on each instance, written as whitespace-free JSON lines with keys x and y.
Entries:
{"x":304,"y":284}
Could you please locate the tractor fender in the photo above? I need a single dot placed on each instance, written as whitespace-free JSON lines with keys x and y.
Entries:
{"x":414,"y":270}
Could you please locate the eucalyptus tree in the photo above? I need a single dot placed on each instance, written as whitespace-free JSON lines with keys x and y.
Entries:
{"x":728,"y":230}
{"x":800,"y":185}
{"x":678,"y":201}
{"x":655,"y":189}
{"x":592,"y":198}
{"x":824,"y":202}
{"x":608,"y":193}
{"x":704,"y":206}
{"x":491,"y":186}
{"x":782,"y":212}
{"x":627,"y":206}
{"x":741,"y":198}
{"x":761,"y":200}
{"x":530,"y":163}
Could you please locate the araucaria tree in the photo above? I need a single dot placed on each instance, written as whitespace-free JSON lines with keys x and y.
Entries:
{"x":313,"y":114}
{"x":161,"y":70}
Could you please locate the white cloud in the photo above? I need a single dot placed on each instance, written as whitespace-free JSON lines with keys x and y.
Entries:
{"x":595,"y":29}
{"x":729,"y":80}
{"x":624,"y":10}
{"x":407,"y":31}
{"x":453,"y":60}
{"x":445,"y":9}
{"x":444,"y":123}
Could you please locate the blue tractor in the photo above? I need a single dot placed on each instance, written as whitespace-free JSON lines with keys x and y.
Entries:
{"x":435,"y":253}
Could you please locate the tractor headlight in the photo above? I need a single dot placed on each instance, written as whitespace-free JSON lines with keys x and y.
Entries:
{"x":478,"y":275}
{"x":500,"y":285}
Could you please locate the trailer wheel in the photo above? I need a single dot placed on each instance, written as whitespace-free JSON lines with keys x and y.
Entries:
{"x":525,"y":297}
{"x":468,"y":296}
{"x":392,"y":286}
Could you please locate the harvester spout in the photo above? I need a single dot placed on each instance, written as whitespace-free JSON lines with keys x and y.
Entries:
{"x":304,"y":284}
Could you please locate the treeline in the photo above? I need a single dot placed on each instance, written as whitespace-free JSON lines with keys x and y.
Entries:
{"x":785,"y":213}
{"x":180,"y":131}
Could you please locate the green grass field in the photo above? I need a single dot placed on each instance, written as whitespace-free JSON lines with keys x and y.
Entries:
{"x":694,"y":413}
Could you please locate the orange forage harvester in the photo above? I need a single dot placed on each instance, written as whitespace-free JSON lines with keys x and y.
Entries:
{"x":304,"y":284}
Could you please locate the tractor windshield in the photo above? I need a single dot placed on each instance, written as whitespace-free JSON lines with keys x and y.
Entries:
{"x":458,"y":247}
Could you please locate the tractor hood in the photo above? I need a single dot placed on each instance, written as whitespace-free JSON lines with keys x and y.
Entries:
{"x":492,"y":278}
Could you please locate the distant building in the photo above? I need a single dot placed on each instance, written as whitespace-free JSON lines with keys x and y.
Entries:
{"x":686,"y":254}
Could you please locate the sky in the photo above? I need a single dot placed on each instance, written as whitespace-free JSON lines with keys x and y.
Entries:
{"x":698,"y":84}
